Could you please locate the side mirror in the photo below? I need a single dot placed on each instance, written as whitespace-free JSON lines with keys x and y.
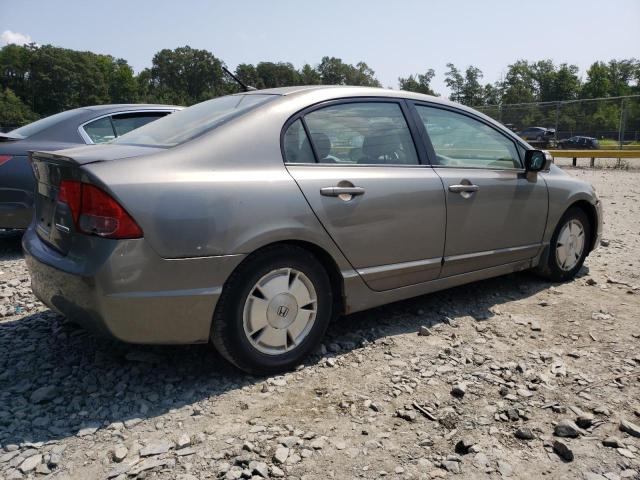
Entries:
{"x":537,"y":160}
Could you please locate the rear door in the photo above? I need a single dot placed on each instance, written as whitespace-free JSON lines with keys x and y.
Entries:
{"x":496,"y":214}
{"x":361,"y":174}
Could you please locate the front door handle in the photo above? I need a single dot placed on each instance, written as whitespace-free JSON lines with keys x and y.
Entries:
{"x":463,"y":188}
{"x":338,"y":191}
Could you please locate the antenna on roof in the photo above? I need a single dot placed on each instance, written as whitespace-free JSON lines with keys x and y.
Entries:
{"x":246,"y":88}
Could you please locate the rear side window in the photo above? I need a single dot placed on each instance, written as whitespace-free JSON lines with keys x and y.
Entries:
{"x":297,"y":148}
{"x":125,"y":122}
{"x":100,"y":130}
{"x":361,"y":133}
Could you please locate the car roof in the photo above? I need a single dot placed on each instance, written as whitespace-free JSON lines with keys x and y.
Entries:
{"x":333,"y":91}
{"x":129,"y":106}
{"x":321,"y":93}
{"x":307,"y":95}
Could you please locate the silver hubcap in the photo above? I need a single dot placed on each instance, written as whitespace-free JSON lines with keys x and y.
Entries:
{"x":570,"y":245}
{"x":280,"y":311}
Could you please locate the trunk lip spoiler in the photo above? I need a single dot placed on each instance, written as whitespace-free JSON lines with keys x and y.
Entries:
{"x":11,"y":136}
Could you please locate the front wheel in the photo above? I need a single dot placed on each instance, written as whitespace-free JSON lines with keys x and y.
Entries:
{"x":273,"y":311}
{"x":569,"y":246}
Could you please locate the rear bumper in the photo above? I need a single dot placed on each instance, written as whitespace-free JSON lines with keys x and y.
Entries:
{"x":123,"y":289}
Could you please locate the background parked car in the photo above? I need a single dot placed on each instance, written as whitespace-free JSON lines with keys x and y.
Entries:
{"x":87,"y":125}
{"x":538,"y":134}
{"x":579,"y":143}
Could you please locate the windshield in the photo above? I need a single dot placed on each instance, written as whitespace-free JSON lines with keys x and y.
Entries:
{"x":191,"y":122}
{"x":42,"y":124}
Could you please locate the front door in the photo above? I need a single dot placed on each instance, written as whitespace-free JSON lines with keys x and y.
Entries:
{"x":496,"y":214}
{"x":362,"y":177}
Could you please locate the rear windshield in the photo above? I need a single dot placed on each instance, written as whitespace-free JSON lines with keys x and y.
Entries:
{"x":191,"y":122}
{"x":42,"y":124}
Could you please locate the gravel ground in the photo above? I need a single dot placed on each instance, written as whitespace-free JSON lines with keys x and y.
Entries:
{"x":510,"y":378}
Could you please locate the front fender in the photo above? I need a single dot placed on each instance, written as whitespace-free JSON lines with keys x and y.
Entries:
{"x":566,"y":191}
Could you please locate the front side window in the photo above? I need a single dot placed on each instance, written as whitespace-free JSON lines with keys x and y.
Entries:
{"x":100,"y":130}
{"x":361,"y":133}
{"x":461,"y":141}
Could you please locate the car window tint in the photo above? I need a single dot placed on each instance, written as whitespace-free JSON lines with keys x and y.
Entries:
{"x":297,"y":148}
{"x":100,"y":130}
{"x":125,"y":122}
{"x":461,"y":141}
{"x":362,"y":133}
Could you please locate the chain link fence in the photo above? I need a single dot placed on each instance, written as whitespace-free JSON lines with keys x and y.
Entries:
{"x":614,"y":121}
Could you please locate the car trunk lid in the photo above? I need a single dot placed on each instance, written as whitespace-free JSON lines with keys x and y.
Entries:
{"x":54,"y":221}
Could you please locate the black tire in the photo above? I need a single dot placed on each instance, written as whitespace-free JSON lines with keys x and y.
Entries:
{"x":551,"y":270}
{"x":227,"y":331}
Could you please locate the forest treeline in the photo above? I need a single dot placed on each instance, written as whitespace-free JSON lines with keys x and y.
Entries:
{"x":36,"y":81}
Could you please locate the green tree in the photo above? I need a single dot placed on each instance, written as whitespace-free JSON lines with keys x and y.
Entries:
{"x":247,"y":74}
{"x":309,"y":75}
{"x":122,"y":84}
{"x":333,"y":71}
{"x":491,"y":94}
{"x":271,"y":75}
{"x":184,"y":76}
{"x":621,"y":74}
{"x":420,"y":83}
{"x":567,"y":84}
{"x":598,"y":84}
{"x":14,"y":113}
{"x":518,"y":85}
{"x":472,"y":90}
{"x":455,"y":81}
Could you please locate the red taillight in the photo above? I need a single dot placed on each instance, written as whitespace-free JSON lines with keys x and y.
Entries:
{"x":5,"y":158}
{"x":95,"y":212}
{"x":71,"y":194}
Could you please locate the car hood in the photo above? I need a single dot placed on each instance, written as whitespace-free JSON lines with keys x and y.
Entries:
{"x":98,"y":153}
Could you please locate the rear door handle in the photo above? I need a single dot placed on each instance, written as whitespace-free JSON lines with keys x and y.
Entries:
{"x":337,"y":191}
{"x":463,"y":188}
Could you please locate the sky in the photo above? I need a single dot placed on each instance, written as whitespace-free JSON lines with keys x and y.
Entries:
{"x":395,"y":38}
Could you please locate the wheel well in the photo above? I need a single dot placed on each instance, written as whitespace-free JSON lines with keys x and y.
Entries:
{"x":590,"y":211}
{"x":329,"y":264}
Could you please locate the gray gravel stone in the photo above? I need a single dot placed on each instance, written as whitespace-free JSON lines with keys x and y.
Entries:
{"x":562,"y":450}
{"x":566,"y":428}
{"x":30,"y":463}
{"x":120,"y":453}
{"x":630,"y":428}
{"x":524,"y":433}
{"x":43,"y":394}
{"x":156,"y":448}
{"x":459,"y":390}
{"x":281,"y":454}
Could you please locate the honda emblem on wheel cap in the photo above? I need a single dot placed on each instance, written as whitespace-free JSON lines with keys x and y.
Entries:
{"x":283,"y":310}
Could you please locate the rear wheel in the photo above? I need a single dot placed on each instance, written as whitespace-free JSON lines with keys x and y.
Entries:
{"x":273,"y":311}
{"x":569,"y":246}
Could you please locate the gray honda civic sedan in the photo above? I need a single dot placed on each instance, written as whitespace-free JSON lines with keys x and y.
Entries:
{"x":251,"y":220}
